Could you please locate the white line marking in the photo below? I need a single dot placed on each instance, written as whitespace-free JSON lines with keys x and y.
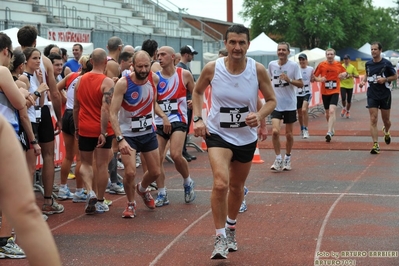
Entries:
{"x":177,"y":238}
{"x":325,"y":221}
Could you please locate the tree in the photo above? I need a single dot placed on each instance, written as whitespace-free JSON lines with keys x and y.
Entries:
{"x":320,"y":23}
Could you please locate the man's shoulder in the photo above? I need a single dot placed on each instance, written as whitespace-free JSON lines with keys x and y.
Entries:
{"x":182,"y":65}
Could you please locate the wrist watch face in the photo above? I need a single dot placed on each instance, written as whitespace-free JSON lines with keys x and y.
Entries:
{"x":196,"y":118}
{"x":119,"y":138}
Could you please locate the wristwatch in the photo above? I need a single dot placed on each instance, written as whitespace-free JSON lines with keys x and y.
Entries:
{"x":34,"y":142}
{"x":105,"y":134}
{"x":290,"y":80}
{"x":119,"y":138}
{"x":197,"y":118}
{"x":37,"y":94}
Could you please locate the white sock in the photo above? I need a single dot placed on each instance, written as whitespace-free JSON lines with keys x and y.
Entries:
{"x":141,"y":189}
{"x":287,"y":157}
{"x":187,"y":181}
{"x":230,"y":222}
{"x":278,"y":157}
{"x":162,"y":191}
{"x":221,"y":231}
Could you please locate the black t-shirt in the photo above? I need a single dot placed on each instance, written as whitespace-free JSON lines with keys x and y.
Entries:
{"x":383,"y":68}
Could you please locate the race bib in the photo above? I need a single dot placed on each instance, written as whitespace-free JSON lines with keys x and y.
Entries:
{"x":38,"y":113}
{"x":168,"y":106}
{"x":143,"y":123}
{"x":330,"y":84}
{"x":233,"y":117}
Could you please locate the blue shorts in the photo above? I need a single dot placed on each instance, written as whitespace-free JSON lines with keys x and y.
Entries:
{"x":144,"y":143}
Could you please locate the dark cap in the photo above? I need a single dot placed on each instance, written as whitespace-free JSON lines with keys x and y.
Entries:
{"x":303,"y":56}
{"x":188,"y":49}
{"x":347,"y":56}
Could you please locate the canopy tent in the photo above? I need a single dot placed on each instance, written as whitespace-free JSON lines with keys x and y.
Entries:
{"x":391,"y":53}
{"x":323,"y":52}
{"x":353,"y":54}
{"x":366,"y":48}
{"x":262,"y":45}
{"x":41,"y":42}
{"x":314,"y":58}
{"x":208,"y":57}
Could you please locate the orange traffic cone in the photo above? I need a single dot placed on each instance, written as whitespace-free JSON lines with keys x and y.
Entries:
{"x":203,"y":145}
{"x":256,"y":159}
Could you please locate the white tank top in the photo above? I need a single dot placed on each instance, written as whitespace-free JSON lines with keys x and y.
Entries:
{"x":233,"y":98}
{"x":34,"y":84}
{"x":44,"y":75}
{"x":70,"y":93}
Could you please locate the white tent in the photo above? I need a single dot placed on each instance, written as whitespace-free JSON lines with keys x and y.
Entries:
{"x":41,"y":42}
{"x":314,"y":58}
{"x":366,"y":48}
{"x":323,"y":53}
{"x":262,"y":45}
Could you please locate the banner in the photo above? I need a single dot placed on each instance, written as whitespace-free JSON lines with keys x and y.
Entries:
{"x":69,"y":35}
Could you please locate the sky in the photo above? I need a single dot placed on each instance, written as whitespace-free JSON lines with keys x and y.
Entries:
{"x":216,"y":9}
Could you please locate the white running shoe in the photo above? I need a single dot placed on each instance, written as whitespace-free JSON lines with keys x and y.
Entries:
{"x":277,"y":165}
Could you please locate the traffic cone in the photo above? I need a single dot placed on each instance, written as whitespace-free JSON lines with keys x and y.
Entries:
{"x":256,"y":159}
{"x":203,"y":145}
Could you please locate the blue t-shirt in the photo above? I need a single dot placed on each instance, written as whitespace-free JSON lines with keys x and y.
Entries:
{"x":73,"y":65}
{"x":383,"y":68}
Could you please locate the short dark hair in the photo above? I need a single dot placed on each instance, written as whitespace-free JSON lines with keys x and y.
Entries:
{"x":27,"y":35}
{"x":379,"y":45}
{"x":80,"y":46}
{"x":237,"y":28}
{"x":114,"y":43}
{"x":63,"y":52}
{"x":286,"y":44}
{"x":150,"y":46}
{"x":54,"y":56}
{"x":47,"y":49}
{"x":124,"y":56}
{"x":5,"y":42}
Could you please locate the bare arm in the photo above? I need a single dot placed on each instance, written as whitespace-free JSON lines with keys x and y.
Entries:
{"x":54,"y":93}
{"x":112,"y":69}
{"x":27,"y":125}
{"x":116,"y":102}
{"x":156,"y":67}
{"x":19,"y":203}
{"x":108,"y":91}
{"x":10,"y":89}
{"x":76,"y":108}
{"x":266,"y":88}
{"x":67,"y":71}
{"x":188,"y":80}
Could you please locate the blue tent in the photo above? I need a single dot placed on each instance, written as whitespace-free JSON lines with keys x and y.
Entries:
{"x":391,"y":53}
{"x":354,"y":54}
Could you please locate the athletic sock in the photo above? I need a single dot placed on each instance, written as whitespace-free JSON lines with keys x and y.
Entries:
{"x":162,"y":191}
{"x":278,"y":157}
{"x":221,"y":231}
{"x":141,"y":189}
{"x":230,"y":222}
{"x":187,"y":181}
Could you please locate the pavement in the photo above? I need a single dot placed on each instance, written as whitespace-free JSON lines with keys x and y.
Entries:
{"x":338,"y":206}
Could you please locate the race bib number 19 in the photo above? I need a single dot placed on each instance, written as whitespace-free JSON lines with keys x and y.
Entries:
{"x":233,"y":117}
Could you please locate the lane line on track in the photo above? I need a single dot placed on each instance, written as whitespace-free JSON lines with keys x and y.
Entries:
{"x":157,"y":258}
{"x":327,"y":217}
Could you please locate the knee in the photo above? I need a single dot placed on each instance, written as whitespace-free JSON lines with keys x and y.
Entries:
{"x":275,"y":133}
{"x":130,"y":174}
{"x":304,"y":111}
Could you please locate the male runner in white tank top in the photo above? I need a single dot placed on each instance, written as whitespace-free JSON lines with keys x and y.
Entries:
{"x":231,"y":130}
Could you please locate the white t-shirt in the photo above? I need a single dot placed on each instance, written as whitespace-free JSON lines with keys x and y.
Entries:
{"x":285,"y":92}
{"x":307,"y":73}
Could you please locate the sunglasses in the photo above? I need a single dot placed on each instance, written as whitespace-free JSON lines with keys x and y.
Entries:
{"x":10,"y":53}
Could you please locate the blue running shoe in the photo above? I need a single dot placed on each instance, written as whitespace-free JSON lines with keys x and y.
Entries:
{"x":162,"y":200}
{"x":189,"y":193}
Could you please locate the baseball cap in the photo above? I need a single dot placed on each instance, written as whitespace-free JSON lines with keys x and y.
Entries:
{"x":347,"y":56}
{"x":188,"y":49}
{"x":303,"y":56}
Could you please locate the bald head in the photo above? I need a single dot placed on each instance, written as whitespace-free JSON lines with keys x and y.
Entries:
{"x":177,"y":58}
{"x":141,"y":56}
{"x":128,"y":48}
{"x":99,"y":56}
{"x":168,"y":49}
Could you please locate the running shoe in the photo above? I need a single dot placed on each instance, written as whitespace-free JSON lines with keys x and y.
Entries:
{"x":101,"y":207}
{"x":79,"y":196}
{"x":375,"y":149}
{"x":243,"y":207}
{"x":305,"y":134}
{"x":130,"y":210}
{"x":231,"y":238}
{"x":343,"y":112}
{"x":277,"y":165}
{"x":387,"y":136}
{"x":120,"y":165}
{"x":107,"y":202}
{"x":116,"y":188}
{"x":153,"y":186}
{"x":287,"y":164}
{"x":329,"y":136}
{"x":56,"y":188}
{"x":11,"y":250}
{"x":348,"y":115}
{"x":146,"y":196}
{"x":91,"y":203}
{"x":221,"y":249}
{"x":64,"y":193}
{"x":54,"y":208}
{"x":189,"y":193}
{"x":161,"y":200}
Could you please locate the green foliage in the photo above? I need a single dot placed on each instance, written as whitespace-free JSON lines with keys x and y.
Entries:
{"x":318,"y":23}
